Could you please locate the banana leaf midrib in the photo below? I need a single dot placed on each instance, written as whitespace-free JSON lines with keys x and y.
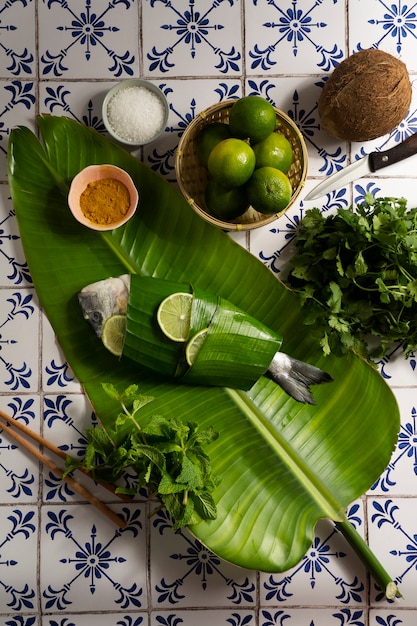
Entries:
{"x":303,"y":472}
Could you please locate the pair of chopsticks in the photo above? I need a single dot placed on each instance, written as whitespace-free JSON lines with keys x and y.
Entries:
{"x":8,"y":424}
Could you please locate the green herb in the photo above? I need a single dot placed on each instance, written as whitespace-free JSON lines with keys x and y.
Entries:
{"x":167,"y":456}
{"x":356,"y":274}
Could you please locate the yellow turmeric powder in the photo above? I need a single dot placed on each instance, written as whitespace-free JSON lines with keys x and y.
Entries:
{"x":105,"y":201}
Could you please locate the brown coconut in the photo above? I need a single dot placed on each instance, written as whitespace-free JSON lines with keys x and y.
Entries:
{"x":366,"y":96}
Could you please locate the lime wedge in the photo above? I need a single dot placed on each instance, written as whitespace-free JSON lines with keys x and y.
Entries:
{"x":194,"y":345}
{"x":113,"y":333}
{"x":174,"y":316}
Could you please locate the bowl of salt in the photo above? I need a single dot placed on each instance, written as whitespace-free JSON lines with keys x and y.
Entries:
{"x":135,"y":112}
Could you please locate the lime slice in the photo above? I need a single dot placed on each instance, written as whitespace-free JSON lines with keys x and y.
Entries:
{"x":113,"y":333}
{"x":174,"y":316}
{"x":194,"y":345}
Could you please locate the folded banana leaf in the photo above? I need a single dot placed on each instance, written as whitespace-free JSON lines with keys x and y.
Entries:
{"x":229,"y":334}
{"x":283,"y":465}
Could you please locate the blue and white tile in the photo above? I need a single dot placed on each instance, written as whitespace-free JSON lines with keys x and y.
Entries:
{"x":19,"y":559}
{"x":184,"y":39}
{"x":400,"y":477}
{"x":388,"y":26}
{"x":294,"y":37}
{"x":186,"y":573}
{"x":393,"y":537}
{"x":329,"y":572}
{"x":57,"y":376}
{"x":392,"y":617}
{"x":17,"y":107}
{"x":90,"y":563}
{"x":19,"y":341}
{"x":18,"y":42}
{"x":128,"y":618}
{"x":205,"y":617}
{"x":306,"y":617}
{"x":19,"y":470}
{"x":14,"y":269}
{"x":86,"y":39}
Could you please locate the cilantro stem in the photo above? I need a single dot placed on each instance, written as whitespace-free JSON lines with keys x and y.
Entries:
{"x":368,"y":558}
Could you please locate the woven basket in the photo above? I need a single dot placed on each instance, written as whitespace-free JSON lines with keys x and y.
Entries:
{"x":192,"y":176}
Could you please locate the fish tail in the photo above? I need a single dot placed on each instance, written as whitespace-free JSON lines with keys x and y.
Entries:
{"x":295,"y":377}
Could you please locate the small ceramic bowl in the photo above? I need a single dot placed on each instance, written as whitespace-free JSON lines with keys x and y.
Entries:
{"x":135,"y":112}
{"x":94,"y":173}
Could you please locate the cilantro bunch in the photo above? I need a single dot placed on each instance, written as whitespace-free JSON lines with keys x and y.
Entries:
{"x":167,"y":456}
{"x":356,"y":274}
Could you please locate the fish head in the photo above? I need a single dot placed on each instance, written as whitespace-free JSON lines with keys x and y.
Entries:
{"x":104,"y":298}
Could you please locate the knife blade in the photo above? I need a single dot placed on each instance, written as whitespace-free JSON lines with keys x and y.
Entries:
{"x":367,"y":165}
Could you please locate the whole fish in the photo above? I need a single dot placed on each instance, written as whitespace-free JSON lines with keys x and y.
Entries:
{"x":138,"y":298}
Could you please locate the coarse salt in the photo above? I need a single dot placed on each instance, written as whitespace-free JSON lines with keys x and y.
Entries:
{"x":136,"y":114}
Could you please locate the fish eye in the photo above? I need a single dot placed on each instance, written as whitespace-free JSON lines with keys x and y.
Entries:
{"x":96,"y":317}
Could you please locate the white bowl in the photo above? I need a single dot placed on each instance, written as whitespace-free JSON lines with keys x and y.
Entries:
{"x":93,"y":173}
{"x":135,"y":112}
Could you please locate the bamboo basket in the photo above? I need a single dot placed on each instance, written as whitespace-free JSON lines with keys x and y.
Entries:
{"x":192,"y":177}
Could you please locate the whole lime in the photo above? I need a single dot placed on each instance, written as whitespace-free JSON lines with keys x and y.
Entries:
{"x":269,"y":190}
{"x":274,"y":151}
{"x":208,"y":137}
{"x":253,"y":118}
{"x":231,"y":162}
{"x":225,"y":204}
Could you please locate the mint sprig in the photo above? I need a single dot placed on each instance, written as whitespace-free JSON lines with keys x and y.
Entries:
{"x":167,"y":455}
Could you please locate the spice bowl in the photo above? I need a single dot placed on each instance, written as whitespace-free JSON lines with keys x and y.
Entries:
{"x":102,"y":197}
{"x":135,"y":112}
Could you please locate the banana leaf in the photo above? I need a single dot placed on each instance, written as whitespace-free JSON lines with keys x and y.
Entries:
{"x":283,"y":465}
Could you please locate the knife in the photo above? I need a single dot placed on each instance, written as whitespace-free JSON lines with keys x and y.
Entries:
{"x":370,"y":163}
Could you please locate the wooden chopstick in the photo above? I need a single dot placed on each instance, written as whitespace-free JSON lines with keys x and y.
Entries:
{"x":7,"y":419}
{"x":50,"y":446}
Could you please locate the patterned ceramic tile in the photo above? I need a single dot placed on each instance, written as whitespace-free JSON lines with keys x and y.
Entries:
{"x":19,"y":469}
{"x":18,"y":563}
{"x":91,"y":564}
{"x":185,"y":573}
{"x":85,"y":39}
{"x":328,"y":574}
{"x":319,"y":617}
{"x":14,"y":270}
{"x":19,"y":336}
{"x":183,"y":38}
{"x":17,"y":106}
{"x":18,"y":47}
{"x":294,"y":37}
{"x":205,"y":617}
{"x":56,"y":374}
{"x":389,"y":26}
{"x":392,"y":533}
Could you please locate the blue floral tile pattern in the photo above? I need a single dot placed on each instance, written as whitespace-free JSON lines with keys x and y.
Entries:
{"x":61,"y":562}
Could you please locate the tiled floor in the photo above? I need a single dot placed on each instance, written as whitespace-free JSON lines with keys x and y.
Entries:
{"x":59,"y":565}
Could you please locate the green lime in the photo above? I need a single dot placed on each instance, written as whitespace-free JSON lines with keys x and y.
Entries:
{"x":274,"y":151}
{"x":208,"y":137}
{"x":225,"y":204}
{"x":194,"y":345}
{"x":269,"y":190}
{"x":253,"y":118}
{"x":174,"y":316}
{"x":113,"y":333}
{"x":231,"y":162}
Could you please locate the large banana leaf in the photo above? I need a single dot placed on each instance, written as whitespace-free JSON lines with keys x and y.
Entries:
{"x":283,"y":465}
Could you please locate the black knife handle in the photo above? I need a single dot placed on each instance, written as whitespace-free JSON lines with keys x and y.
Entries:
{"x":403,"y":150}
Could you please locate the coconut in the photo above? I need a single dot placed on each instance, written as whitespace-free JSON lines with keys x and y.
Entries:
{"x":366,"y":96}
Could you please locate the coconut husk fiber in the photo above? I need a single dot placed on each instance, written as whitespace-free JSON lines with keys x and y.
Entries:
{"x":366,"y":96}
